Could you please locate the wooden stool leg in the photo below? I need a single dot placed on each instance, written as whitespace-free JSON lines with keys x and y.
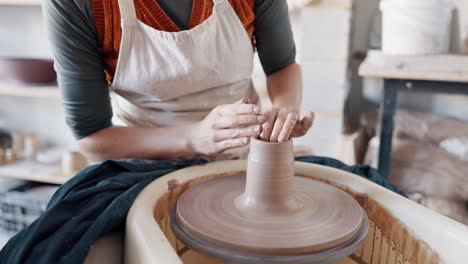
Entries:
{"x":387,"y":112}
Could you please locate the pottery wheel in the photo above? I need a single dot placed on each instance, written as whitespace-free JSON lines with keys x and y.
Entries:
{"x":326,"y":218}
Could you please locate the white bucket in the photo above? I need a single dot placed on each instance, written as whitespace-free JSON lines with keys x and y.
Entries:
{"x":416,"y":27}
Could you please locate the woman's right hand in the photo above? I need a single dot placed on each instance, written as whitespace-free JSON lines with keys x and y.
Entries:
{"x":226,"y":127}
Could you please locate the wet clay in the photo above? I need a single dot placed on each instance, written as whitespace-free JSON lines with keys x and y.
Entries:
{"x":269,"y":210}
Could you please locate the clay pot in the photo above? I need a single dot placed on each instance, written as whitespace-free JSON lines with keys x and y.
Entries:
{"x":31,"y":145}
{"x":73,"y":162}
{"x":270,"y":179}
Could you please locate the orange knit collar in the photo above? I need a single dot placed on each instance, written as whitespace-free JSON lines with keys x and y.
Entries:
{"x":154,"y":10}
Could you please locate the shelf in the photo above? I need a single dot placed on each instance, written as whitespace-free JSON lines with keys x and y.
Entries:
{"x":20,"y":2}
{"x":347,"y":4}
{"x":42,"y":92}
{"x":34,"y":171}
{"x":439,"y":67}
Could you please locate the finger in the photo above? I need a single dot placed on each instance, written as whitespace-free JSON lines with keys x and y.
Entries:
{"x":288,"y":127}
{"x":233,"y":143}
{"x":301,"y":128}
{"x":245,"y":100}
{"x":279,"y":122}
{"x":267,"y":126}
{"x":232,"y":121}
{"x":304,"y":125}
{"x":238,"y":109}
{"x":224,"y":134}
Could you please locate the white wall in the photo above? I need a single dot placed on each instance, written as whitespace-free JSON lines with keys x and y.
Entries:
{"x":22,"y":35}
{"x":325,"y":52}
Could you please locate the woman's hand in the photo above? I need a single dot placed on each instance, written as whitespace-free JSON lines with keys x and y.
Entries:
{"x":283,"y":123}
{"x":226,"y":127}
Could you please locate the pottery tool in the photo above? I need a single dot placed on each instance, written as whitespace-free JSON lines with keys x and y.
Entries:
{"x":269,"y":215}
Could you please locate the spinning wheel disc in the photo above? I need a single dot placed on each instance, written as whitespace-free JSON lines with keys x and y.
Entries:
{"x":269,"y":216}
{"x":326,"y":219}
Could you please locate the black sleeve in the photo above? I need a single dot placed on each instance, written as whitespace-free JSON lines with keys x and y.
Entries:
{"x":273,"y":35}
{"x":79,"y":65}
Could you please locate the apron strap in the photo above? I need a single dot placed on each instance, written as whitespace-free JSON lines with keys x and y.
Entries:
{"x":127,"y":9}
{"x":217,"y":1}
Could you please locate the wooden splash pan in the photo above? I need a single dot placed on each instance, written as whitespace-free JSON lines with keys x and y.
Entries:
{"x":400,"y":231}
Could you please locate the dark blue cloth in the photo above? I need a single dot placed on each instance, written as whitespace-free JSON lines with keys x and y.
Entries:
{"x":96,"y":201}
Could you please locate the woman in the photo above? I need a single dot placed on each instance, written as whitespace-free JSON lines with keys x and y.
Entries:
{"x":180,"y":72}
{"x":176,"y":67}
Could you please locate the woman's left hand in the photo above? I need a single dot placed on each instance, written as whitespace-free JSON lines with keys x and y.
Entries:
{"x":283,"y":123}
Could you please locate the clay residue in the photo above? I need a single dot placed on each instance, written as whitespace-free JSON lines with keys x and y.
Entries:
{"x":172,"y":184}
{"x":361,"y":198}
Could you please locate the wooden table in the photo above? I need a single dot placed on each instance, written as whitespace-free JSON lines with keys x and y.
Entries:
{"x":446,"y":74}
{"x":35,"y":171}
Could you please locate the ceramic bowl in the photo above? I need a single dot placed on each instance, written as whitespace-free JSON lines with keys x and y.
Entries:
{"x":28,"y":71}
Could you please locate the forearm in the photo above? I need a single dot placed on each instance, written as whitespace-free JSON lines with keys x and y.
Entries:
{"x":285,"y":87}
{"x":137,"y":143}
{"x":285,"y":119}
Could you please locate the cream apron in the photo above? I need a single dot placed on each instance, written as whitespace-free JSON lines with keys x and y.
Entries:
{"x":173,"y":78}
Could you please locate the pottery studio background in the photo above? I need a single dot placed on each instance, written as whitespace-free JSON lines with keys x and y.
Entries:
{"x":333,"y":37}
